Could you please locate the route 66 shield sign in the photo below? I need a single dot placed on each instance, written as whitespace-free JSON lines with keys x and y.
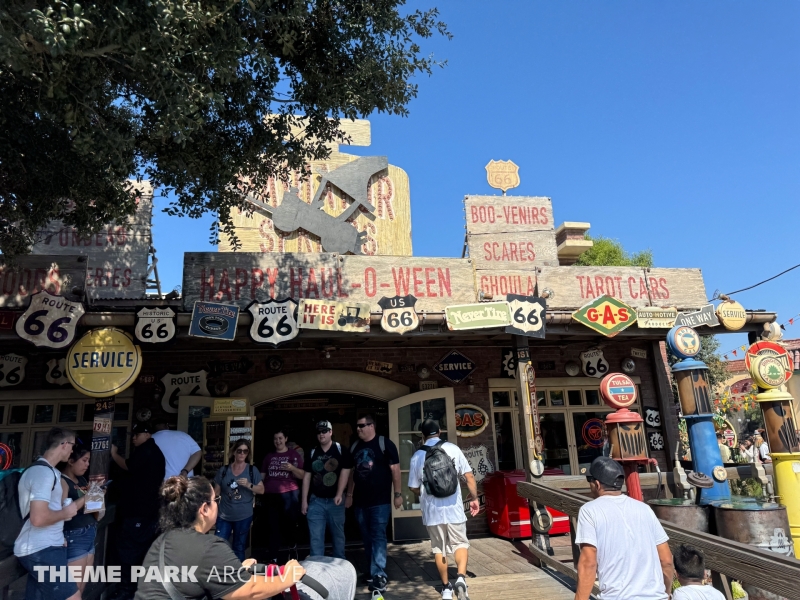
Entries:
{"x":593,"y":363}
{"x":155,"y":325}
{"x":527,"y":315}
{"x":399,"y":315}
{"x":49,"y":321}
{"x":274,"y":321}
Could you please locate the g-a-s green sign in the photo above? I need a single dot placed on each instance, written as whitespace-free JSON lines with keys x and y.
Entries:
{"x":478,"y":316}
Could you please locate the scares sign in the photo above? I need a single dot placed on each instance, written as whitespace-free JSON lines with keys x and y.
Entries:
{"x":606,"y":315}
{"x":49,"y":321}
{"x":182,"y":384}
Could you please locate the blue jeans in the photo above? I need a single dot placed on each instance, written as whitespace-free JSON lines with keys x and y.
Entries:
{"x":57,"y":588}
{"x":240,"y":530}
{"x":373,"y":521}
{"x":80,"y":542}
{"x":322,"y":512}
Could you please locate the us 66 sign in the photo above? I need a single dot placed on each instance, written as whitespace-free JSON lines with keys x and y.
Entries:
{"x":155,"y":325}
{"x":49,"y":321}
{"x":274,"y":321}
{"x":399,"y":314}
{"x":528,"y":314}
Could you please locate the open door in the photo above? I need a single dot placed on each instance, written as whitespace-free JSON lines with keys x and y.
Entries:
{"x":405,"y":415}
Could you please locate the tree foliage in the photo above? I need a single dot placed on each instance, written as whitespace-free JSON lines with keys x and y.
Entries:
{"x":188,"y":94}
{"x":607,"y":252}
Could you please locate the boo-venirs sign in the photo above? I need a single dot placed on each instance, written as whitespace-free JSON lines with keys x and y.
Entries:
{"x":104,"y":362}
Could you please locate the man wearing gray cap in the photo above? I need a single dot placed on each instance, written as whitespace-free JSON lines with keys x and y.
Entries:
{"x":621,"y":542}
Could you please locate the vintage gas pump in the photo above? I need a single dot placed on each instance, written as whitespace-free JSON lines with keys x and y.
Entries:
{"x":770,"y":372}
{"x":625,"y":429}
{"x":695,"y":397}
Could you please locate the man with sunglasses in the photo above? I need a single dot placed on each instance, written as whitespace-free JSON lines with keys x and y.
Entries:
{"x":327,"y":470}
{"x":376,"y":471}
{"x":621,"y":541}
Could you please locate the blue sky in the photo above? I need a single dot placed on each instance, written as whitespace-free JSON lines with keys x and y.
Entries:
{"x":672,"y":126}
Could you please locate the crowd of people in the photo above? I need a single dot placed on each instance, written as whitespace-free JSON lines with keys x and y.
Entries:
{"x":164,"y":512}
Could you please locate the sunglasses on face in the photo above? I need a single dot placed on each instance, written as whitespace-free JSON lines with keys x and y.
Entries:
{"x":362,"y":425}
{"x":242,"y":451}
{"x":323,"y":431}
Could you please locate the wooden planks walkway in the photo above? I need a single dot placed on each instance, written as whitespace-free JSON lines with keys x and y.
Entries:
{"x":497,"y":568}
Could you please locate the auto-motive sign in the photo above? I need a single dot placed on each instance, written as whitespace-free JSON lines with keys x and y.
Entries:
{"x":471,"y":420}
{"x":653,"y":317}
{"x":606,"y":315}
{"x":104,"y":362}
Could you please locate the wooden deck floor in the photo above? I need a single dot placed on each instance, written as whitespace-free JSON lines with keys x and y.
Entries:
{"x":497,"y":569}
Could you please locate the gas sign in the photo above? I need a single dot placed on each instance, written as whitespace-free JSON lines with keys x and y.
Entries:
{"x":606,"y":315}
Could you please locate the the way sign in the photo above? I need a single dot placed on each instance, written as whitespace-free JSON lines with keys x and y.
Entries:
{"x":399,"y":315}
{"x":49,"y":321}
{"x":274,"y":321}
{"x":12,"y":369}
{"x":528,"y":314}
{"x":455,"y":366}
{"x":705,"y":316}
{"x":155,"y":325}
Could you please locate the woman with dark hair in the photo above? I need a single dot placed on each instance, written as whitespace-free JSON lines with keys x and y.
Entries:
{"x":81,"y":530}
{"x":237,"y":483}
{"x":283,"y":470}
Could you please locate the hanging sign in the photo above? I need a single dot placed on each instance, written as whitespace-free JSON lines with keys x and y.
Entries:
{"x":618,"y":390}
{"x":334,"y":316}
{"x":213,"y":320}
{"x":704,"y":316}
{"x":606,"y":315}
{"x":594,"y":363}
{"x":528,"y":315}
{"x":100,"y":459}
{"x":471,"y":420}
{"x":653,"y":317}
{"x":274,"y":321}
{"x":155,"y":325}
{"x":455,"y":366}
{"x":57,"y":371}
{"x":12,"y":369}
{"x":478,"y":316}
{"x":49,"y":321}
{"x":399,"y":315}
{"x":732,"y":315}
{"x":183,"y":384}
{"x":533,"y":404}
{"x":104,"y":362}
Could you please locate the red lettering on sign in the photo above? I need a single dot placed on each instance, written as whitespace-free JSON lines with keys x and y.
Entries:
{"x":622,"y":313}
{"x":477,"y":419}
{"x":417,"y":282}
{"x":327,"y":283}
{"x":206,"y":284}
{"x":665,"y":289}
{"x":240,"y":282}
{"x":370,"y":281}
{"x":598,"y":285}
{"x":608,"y":316}
{"x":429,"y":280}
{"x":592,"y":315}
{"x":340,"y":288}
{"x":631,"y":291}
{"x":444,"y":283}
{"x":296,"y":282}
{"x":312,"y":288}
{"x":224,"y":286}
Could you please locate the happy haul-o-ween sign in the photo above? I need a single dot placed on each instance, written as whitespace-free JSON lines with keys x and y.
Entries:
{"x":471,"y":420}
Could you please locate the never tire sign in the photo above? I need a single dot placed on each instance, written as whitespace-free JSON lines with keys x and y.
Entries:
{"x":49,"y":321}
{"x":528,"y":315}
{"x":155,"y":325}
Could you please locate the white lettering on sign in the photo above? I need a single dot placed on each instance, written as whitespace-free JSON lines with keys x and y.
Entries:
{"x":12,"y":369}
{"x":182,"y":384}
{"x":274,"y":321}
{"x":57,"y":371}
{"x":49,"y":321}
{"x":155,"y":325}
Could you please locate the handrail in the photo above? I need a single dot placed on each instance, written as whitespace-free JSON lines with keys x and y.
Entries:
{"x":769,"y":571}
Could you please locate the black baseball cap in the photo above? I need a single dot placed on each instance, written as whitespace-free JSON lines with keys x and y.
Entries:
{"x":607,"y":471}
{"x":429,"y":427}
{"x":141,"y":428}
{"x":324,"y":426}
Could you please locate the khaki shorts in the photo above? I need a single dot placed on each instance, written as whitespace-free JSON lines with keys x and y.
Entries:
{"x":448,"y":537}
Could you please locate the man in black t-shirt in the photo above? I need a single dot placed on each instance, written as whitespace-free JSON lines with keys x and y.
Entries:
{"x":327,"y":469}
{"x":376,"y":471}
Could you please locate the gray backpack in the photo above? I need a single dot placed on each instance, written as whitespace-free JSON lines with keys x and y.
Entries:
{"x":439,"y":473}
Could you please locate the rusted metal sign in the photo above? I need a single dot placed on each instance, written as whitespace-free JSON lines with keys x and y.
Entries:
{"x":59,"y":275}
{"x":508,"y":214}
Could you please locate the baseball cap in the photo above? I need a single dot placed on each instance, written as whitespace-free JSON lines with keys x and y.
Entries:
{"x":429,"y":427}
{"x":141,"y":428}
{"x":607,"y":471}
{"x":324,"y":426}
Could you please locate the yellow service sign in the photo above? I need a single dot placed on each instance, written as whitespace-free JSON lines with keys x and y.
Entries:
{"x":732,"y":315}
{"x":104,"y":362}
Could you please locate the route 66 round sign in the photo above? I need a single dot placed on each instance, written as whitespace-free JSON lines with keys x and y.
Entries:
{"x":49,"y":321}
{"x":527,"y":315}
{"x":274,"y":321}
{"x":399,"y":315}
{"x":155,"y":325}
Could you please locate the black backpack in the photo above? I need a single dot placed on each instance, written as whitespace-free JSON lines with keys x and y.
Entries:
{"x":439,"y":472}
{"x":13,"y":519}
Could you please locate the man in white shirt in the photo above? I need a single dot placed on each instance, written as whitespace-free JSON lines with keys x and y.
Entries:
{"x":180,"y":451}
{"x":621,"y":542}
{"x":763,"y":448}
{"x":40,"y":542}
{"x":444,"y":517}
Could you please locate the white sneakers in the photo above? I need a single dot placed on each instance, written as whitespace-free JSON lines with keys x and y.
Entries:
{"x":461,"y":588}
{"x":447,"y":592}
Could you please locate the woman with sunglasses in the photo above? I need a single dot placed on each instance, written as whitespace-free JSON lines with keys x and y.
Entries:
{"x":237,"y":483}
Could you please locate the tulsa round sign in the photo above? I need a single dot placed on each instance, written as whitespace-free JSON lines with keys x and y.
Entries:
{"x":104,"y":362}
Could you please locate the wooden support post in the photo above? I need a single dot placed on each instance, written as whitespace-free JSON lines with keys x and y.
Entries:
{"x":666,"y":401}
{"x":522,"y":354}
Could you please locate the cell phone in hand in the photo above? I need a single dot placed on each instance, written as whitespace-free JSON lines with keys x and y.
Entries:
{"x":106,"y":484}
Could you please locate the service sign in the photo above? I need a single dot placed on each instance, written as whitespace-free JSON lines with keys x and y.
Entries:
{"x":528,"y":315}
{"x":471,"y":420}
{"x":478,"y":316}
{"x":212,"y":320}
{"x":274,"y":321}
{"x":57,"y":371}
{"x":49,"y":321}
{"x":704,"y":316}
{"x":12,"y":369}
{"x":606,"y":315}
{"x":653,"y":317}
{"x":104,"y":362}
{"x":399,"y":315}
{"x":455,"y":366}
{"x":334,"y":316}
{"x":732,"y":315}
{"x":155,"y":325}
{"x":182,"y":384}
{"x":594,"y":363}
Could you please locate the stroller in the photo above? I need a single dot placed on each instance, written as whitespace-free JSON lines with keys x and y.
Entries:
{"x":326,"y":578}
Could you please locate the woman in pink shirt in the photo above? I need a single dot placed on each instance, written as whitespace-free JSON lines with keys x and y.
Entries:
{"x":282,"y":471}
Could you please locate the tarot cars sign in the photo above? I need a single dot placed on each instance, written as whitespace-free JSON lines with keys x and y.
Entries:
{"x":155,"y":325}
{"x":49,"y":321}
{"x":399,"y":315}
{"x":12,"y":369}
{"x":606,"y":315}
{"x":274,"y":321}
{"x":528,"y":315}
